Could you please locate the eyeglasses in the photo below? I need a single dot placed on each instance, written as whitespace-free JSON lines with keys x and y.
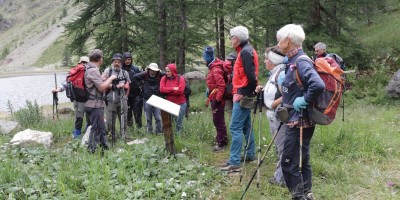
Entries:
{"x":231,"y":37}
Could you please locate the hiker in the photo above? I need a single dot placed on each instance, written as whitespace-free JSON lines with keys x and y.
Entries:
{"x":94,"y":106}
{"x":135,"y":99}
{"x":78,"y":106}
{"x":173,"y":86}
{"x":151,"y":86}
{"x":244,"y":82}
{"x":320,"y":52}
{"x":272,"y":92}
{"x":298,"y":177}
{"x":116,"y":96}
{"x":216,"y":86}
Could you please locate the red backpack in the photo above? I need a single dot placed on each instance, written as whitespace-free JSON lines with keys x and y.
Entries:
{"x":76,"y":89}
{"x":323,"y":110}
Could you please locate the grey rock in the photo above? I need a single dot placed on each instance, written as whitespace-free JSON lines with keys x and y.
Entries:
{"x":7,"y":126}
{"x":393,"y":88}
{"x":29,"y":136}
{"x":195,"y":76}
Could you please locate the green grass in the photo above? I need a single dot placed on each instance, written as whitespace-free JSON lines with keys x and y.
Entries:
{"x":54,"y":53}
{"x":354,"y":159}
{"x":381,"y":35}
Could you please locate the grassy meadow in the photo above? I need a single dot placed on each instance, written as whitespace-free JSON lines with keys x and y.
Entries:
{"x":352,"y":159}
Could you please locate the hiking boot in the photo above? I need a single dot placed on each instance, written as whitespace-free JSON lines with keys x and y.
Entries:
{"x":248,"y":159}
{"x":231,"y":168}
{"x":217,"y":148}
{"x":273,"y":181}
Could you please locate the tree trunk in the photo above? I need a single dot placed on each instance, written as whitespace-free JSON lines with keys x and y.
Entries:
{"x":221,"y":31}
{"x":316,"y":14}
{"x":182,"y":39}
{"x":335,"y":28}
{"x":125,"y":38}
{"x":168,"y":133}
{"x":162,"y":36}
{"x":216,"y":35}
{"x":118,"y":20}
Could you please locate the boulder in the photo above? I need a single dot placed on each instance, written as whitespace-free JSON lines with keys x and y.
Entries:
{"x":29,"y":136}
{"x":393,"y":88}
{"x":65,"y":110}
{"x":195,"y":76}
{"x":7,"y":126}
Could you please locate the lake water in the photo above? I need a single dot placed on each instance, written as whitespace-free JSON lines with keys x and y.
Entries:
{"x":35,"y":87}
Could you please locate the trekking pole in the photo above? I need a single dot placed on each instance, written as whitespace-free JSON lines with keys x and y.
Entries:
{"x":248,"y":143}
{"x":55,"y":98}
{"x":260,"y":102}
{"x":113,"y":115}
{"x":301,"y":141}
{"x":262,"y":160}
{"x":122,"y":124}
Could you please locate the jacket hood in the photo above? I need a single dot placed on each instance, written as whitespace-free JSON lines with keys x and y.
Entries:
{"x":172,"y":67}
{"x":216,"y":62}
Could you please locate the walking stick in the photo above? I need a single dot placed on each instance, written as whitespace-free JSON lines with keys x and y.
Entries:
{"x":55,"y":98}
{"x":113,"y":115}
{"x":248,"y":139}
{"x":301,"y":141}
{"x":261,"y":161}
{"x":260,"y":102}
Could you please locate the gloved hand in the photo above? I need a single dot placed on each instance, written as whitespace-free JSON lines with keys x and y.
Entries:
{"x":299,"y":103}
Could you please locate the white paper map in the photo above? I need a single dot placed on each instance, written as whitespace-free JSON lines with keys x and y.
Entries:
{"x":164,"y":105}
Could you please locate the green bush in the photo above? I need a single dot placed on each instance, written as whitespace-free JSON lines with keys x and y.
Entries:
{"x":30,"y":115}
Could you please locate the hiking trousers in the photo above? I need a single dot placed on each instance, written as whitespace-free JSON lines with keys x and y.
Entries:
{"x":118,"y":111}
{"x":135,"y":107}
{"x":218,"y":115}
{"x":98,"y":130}
{"x":298,"y":184}
{"x":79,"y":114}
{"x":149,"y":112}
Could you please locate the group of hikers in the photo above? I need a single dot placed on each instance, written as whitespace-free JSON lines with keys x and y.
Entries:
{"x":123,"y":90}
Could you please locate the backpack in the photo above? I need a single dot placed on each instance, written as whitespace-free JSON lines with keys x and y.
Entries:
{"x":323,"y":110}
{"x":338,"y":59}
{"x":228,"y":75}
{"x":75,"y":89}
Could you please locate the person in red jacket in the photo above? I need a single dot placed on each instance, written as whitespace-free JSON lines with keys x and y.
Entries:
{"x":216,"y":86}
{"x":173,"y":86}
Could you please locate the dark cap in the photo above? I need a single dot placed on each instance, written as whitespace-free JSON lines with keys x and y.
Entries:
{"x":117,"y":56}
{"x":231,"y":56}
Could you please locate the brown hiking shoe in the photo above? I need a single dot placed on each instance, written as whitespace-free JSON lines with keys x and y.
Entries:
{"x":248,"y":159}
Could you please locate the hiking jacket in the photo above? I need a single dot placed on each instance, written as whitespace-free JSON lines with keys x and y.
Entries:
{"x":271,"y":91}
{"x":135,"y":85}
{"x":167,"y":85}
{"x":93,"y":81}
{"x":151,"y":85}
{"x":245,"y":71}
{"x":115,"y":95}
{"x":215,"y":80}
{"x":313,"y":84}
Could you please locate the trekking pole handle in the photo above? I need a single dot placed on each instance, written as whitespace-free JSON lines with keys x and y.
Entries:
{"x":257,"y":102}
{"x":261,"y":101}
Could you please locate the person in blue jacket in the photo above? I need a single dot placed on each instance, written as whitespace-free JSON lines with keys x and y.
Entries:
{"x":296,"y":100}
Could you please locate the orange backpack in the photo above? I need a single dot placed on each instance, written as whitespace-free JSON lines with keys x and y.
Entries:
{"x":323,"y":110}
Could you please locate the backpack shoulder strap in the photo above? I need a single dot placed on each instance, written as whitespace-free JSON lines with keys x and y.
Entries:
{"x":296,"y":74}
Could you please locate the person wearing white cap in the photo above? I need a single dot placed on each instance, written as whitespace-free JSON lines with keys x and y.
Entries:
{"x":272,"y":100}
{"x":151,"y":86}
{"x":78,"y":106}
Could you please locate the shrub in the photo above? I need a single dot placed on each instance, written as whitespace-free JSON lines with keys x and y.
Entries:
{"x":30,"y":115}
